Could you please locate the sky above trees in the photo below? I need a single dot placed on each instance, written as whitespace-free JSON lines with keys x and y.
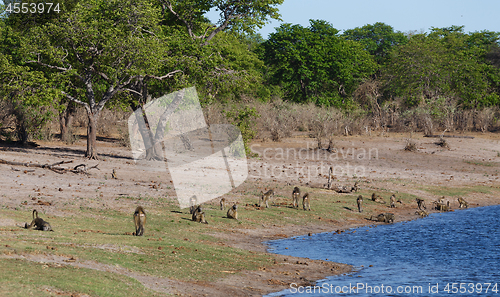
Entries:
{"x":401,"y":15}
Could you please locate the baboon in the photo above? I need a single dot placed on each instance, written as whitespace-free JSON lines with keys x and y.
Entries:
{"x":343,"y":189}
{"x":199,"y":216}
{"x":443,"y":207}
{"x":463,"y":203}
{"x":377,"y":198}
{"x":421,"y":213}
{"x":232,"y":212}
{"x":193,"y":201}
{"x":360,"y":203}
{"x":355,"y":188}
{"x":296,"y":197}
{"x":265,"y":197}
{"x":222,"y":203}
{"x":38,"y":223}
{"x":139,"y":220}
{"x":305,"y":202}
{"x":113,"y":174}
{"x":420,"y":203}
{"x":384,"y":217}
{"x":393,"y":201}
{"x":400,"y":201}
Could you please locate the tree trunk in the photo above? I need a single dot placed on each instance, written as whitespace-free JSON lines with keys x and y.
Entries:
{"x":66,"y":120}
{"x":92,"y":136}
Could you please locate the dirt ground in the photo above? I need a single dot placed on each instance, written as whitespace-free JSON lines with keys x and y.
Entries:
{"x":377,"y":162}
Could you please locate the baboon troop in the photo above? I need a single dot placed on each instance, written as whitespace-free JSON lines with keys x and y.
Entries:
{"x":232,"y":212}
{"x":360,"y":203}
{"x":199,"y":215}
{"x":462,"y":203}
{"x":420,"y":203}
{"x":139,"y":220}
{"x":377,"y":198}
{"x":393,"y":201}
{"x":222,"y":203}
{"x":383,"y":217}
{"x":38,"y":223}
{"x":346,"y":189}
{"x":421,"y":213}
{"x":296,"y":197}
{"x":265,"y":197}
{"x":305,"y":202}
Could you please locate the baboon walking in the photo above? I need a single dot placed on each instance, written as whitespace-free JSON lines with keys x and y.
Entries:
{"x":222,"y":203}
{"x":393,"y":201}
{"x":360,"y":203}
{"x":139,"y":220}
{"x":232,"y":212}
{"x":265,"y":197}
{"x":296,"y":197}
{"x":463,"y":203}
{"x":305,"y":202}
{"x":421,"y":203}
{"x":38,"y":223}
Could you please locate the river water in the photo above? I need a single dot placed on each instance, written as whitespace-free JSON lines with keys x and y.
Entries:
{"x":445,"y":254}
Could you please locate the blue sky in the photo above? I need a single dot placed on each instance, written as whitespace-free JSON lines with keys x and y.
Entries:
{"x":402,"y":15}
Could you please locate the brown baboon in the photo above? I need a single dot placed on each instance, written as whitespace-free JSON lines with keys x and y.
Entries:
{"x":139,"y":220}
{"x":377,"y":198}
{"x":343,"y":189}
{"x":296,"y":197}
{"x":384,"y":217}
{"x":355,"y":188}
{"x":222,"y":203}
{"x":463,"y":203}
{"x":420,"y":203}
{"x":305,"y":202}
{"x":232,"y":212}
{"x":265,"y":197}
{"x":113,"y":174}
{"x":199,"y":215}
{"x":443,"y":207}
{"x":400,"y":201}
{"x":38,"y":223}
{"x":393,"y":201}
{"x":421,"y":213}
{"x":360,"y":203}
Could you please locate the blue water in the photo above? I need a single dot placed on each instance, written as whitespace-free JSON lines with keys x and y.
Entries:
{"x":415,"y":258}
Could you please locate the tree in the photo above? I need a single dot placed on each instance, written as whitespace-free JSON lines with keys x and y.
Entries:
{"x":99,"y":48}
{"x":378,"y":39}
{"x":315,"y":64}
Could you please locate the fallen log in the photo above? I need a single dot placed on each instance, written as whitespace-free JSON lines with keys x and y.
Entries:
{"x":450,"y":136}
{"x":82,"y":168}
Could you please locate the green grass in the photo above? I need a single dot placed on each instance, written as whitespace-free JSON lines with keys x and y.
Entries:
{"x":456,"y":191}
{"x":488,"y":164}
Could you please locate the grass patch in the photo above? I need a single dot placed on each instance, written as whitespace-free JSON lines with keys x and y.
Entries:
{"x":488,"y":164}
{"x":454,"y":191}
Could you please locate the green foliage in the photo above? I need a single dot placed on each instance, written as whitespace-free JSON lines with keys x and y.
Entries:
{"x":314,"y":64}
{"x":378,"y":39}
{"x":244,"y":119}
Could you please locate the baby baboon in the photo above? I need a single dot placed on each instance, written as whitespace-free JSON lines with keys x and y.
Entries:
{"x":400,"y":201}
{"x":38,"y":223}
{"x":139,"y":220}
{"x":463,"y":203}
{"x":265,"y":197}
{"x":199,"y":216}
{"x":305,"y":202}
{"x":232,"y":212}
{"x":377,"y":198}
{"x":113,"y":174}
{"x":296,"y":197}
{"x":420,"y":203}
{"x":421,"y":213}
{"x":393,"y":201}
{"x":355,"y":188}
{"x":222,"y":203}
{"x":360,"y":203}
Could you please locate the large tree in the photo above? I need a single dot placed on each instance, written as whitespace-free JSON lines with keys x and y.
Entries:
{"x":315,"y":64}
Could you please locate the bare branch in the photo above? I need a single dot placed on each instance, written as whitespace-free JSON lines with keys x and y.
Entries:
{"x":170,"y":74}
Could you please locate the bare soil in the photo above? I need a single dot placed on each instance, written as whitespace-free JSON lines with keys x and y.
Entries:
{"x":376,"y":162}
